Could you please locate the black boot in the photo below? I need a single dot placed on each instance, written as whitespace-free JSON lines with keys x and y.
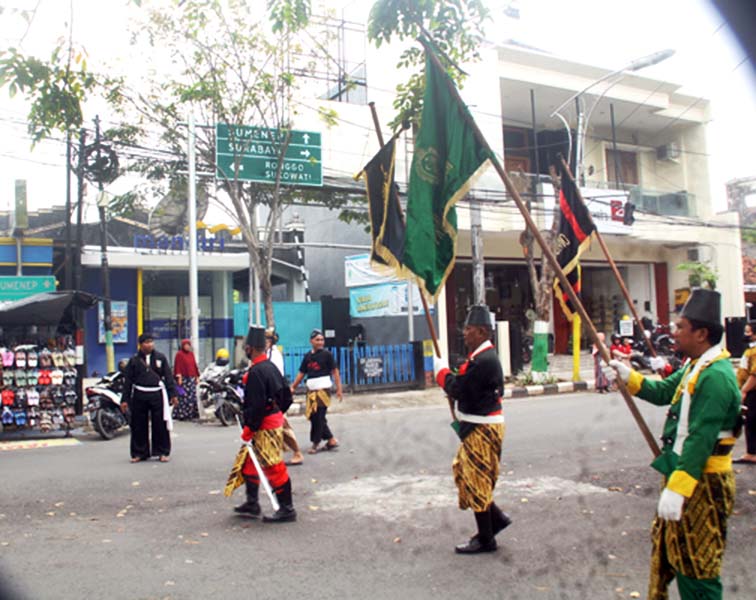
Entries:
{"x":484,"y":540}
{"x":251,"y":508}
{"x":285,"y":512}
{"x":499,"y":520}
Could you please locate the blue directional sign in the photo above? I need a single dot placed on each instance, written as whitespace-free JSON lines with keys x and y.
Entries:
{"x":253,"y":154}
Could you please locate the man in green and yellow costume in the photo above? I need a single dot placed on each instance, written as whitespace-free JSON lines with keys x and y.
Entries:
{"x":690,"y":529}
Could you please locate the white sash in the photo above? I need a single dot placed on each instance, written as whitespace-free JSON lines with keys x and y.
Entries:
{"x":682,"y":423}
{"x":167,"y":411}
{"x":480,"y":419}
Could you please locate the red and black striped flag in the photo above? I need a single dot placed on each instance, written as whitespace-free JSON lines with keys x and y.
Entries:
{"x":574,"y":236}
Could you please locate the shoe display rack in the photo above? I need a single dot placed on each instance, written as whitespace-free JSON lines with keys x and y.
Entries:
{"x":38,"y":386}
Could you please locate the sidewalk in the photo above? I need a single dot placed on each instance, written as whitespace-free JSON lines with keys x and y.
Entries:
{"x":560,"y":366}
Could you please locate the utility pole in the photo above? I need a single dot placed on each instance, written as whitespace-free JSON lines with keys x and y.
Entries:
{"x":67,"y":260}
{"x":476,"y":233}
{"x":107,"y":307}
{"x":81,"y":362}
{"x":192,"y":212}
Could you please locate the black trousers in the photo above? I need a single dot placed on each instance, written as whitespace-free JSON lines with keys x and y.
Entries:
{"x":319,"y":429}
{"x":147,"y":407}
{"x":749,"y":427}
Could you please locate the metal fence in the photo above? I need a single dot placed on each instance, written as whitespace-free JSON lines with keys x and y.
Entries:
{"x":368,"y":367}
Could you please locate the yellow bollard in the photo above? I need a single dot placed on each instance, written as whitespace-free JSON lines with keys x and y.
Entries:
{"x":576,"y":348}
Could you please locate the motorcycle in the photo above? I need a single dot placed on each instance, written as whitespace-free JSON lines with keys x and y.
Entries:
{"x":665,"y":347}
{"x":222,"y":388}
{"x":104,"y":405}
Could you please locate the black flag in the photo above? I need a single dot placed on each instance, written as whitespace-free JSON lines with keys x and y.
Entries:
{"x":386,"y":223}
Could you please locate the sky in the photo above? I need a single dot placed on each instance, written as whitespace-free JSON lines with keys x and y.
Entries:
{"x":708,"y":62}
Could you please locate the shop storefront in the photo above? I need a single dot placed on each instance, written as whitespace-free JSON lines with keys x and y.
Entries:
{"x":40,"y":380}
{"x":509,"y":296}
{"x":150,"y":292}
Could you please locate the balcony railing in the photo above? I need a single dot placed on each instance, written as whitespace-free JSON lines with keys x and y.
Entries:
{"x":655,"y":202}
{"x":676,"y":204}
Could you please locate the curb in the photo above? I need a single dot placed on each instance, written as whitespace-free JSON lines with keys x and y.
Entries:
{"x":562,"y":387}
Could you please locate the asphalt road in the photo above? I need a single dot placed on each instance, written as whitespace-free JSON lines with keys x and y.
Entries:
{"x":377,"y":518}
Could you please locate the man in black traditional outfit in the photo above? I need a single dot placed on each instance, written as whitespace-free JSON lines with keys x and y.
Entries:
{"x":476,"y":391}
{"x":147,"y":387}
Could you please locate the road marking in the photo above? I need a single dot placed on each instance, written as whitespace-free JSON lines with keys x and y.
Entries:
{"x":396,"y":497}
{"x":31,"y":444}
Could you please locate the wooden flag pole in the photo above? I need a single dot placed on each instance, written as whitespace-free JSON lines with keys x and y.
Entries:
{"x":610,"y":260}
{"x":511,"y":190}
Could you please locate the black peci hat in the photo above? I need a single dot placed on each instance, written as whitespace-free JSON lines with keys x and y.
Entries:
{"x":256,"y":337}
{"x":315,"y":333}
{"x":704,"y":306}
{"x":147,"y":336}
{"x":479,"y":315}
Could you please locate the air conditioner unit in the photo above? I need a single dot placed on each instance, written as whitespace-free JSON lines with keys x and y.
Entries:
{"x":669,"y":152}
{"x":700,"y":254}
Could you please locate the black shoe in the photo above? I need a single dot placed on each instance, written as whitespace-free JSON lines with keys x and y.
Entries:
{"x":285,"y":514}
{"x":249,"y":509}
{"x":474,"y":546}
{"x":501,"y":523}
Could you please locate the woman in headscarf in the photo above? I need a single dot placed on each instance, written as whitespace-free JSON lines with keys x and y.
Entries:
{"x":186,"y":373}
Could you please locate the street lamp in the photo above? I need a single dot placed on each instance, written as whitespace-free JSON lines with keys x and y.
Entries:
{"x":582,"y":122}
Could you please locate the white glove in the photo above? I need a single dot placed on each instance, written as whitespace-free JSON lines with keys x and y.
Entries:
{"x":670,"y":505}
{"x":439,"y":364}
{"x":657,"y":363}
{"x":621,"y":369}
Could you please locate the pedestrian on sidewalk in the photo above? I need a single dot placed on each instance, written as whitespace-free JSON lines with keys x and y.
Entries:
{"x":690,"y":529}
{"x":746,"y":376}
{"x":148,"y":385}
{"x":602,"y":381}
{"x":263,"y":427}
{"x":186,"y":373}
{"x":275,"y":356}
{"x":477,"y":391}
{"x":319,"y":367}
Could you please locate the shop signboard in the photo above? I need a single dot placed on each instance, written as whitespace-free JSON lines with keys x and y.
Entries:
{"x":17,"y":288}
{"x":383,"y":300}
{"x":371,"y":366}
{"x":119,"y":319}
{"x":257,"y":151}
{"x":358,"y":271}
{"x":681,"y":297}
{"x":626,"y":328}
{"x":177,"y":243}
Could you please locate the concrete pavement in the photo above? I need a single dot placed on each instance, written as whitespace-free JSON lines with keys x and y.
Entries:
{"x":377,"y":518}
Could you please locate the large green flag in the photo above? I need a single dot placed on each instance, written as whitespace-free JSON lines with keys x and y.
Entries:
{"x":446,"y":162}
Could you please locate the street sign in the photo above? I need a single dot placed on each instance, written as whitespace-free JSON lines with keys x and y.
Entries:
{"x":16,"y":288}
{"x":256,"y":150}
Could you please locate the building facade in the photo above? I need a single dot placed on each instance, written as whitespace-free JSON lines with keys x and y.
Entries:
{"x":655,"y":157}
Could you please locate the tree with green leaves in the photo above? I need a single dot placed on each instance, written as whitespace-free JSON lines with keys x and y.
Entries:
{"x":455,"y":27}
{"x":227,"y":64}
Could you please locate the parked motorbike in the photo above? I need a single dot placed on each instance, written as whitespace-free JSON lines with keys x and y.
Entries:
{"x":104,"y":405}
{"x":665,"y":347}
{"x":223,"y":389}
